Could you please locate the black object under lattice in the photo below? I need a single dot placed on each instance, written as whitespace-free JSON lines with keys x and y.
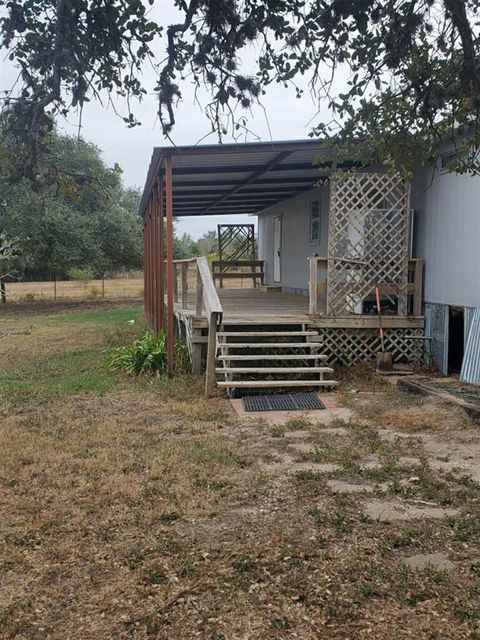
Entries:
{"x":283,"y":402}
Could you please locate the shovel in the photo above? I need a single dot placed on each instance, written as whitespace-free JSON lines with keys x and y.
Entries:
{"x":384,"y":358}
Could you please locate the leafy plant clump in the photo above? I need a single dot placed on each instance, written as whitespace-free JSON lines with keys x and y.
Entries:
{"x":147,"y":355}
{"x":81,"y":274}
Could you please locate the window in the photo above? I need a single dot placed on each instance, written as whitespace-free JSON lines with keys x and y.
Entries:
{"x":448,"y":160}
{"x":315,"y":221}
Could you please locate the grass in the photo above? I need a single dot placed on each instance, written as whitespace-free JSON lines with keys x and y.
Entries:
{"x":135,"y":508}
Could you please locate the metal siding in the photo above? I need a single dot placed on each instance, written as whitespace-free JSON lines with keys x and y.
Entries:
{"x":296,"y":246}
{"x":447,"y":211}
{"x":436,"y":327}
{"x":471,"y":360}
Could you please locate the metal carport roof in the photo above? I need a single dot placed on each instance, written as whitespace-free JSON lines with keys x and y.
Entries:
{"x":238,"y":178}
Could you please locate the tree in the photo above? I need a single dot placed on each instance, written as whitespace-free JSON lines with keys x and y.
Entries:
{"x":8,"y":252}
{"x":184,"y":247}
{"x":207,"y":244}
{"x":83,"y":218}
{"x":412,"y":65}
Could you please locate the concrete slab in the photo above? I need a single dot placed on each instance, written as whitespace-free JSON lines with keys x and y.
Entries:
{"x":299,"y":434}
{"x":408,"y":461}
{"x":370,"y":462}
{"x":301,"y":447}
{"x":396,"y":510}
{"x":340,"y":486}
{"x":437,"y":561}
{"x":334,"y":431}
{"x":323,"y":416}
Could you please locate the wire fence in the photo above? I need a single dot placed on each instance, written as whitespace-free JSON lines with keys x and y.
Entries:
{"x":125,"y":287}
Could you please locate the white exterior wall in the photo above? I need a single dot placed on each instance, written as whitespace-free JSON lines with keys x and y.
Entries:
{"x":296,"y":245}
{"x":447,"y":236}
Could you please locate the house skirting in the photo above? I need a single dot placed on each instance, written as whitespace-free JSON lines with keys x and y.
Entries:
{"x":352,"y":345}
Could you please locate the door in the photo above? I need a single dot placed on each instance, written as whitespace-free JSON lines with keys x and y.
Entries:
{"x":277,"y":248}
{"x":456,"y":339}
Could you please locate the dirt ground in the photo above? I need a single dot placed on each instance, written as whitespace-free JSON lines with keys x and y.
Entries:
{"x":138,"y":509}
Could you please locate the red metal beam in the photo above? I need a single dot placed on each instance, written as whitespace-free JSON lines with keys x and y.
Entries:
{"x":170,"y":273}
{"x":161,"y":257}
{"x":154,"y":262}
{"x":150,"y":262}
{"x":147,"y":262}
{"x":145,"y":267}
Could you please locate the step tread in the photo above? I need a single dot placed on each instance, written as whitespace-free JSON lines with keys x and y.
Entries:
{"x":268,"y":345}
{"x":288,"y":356}
{"x":274,"y":370}
{"x":226,"y":334}
{"x":277,"y":383}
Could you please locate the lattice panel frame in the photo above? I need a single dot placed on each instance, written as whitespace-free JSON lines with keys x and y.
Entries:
{"x":236,"y":242}
{"x":367,"y":239}
{"x":348,"y":346}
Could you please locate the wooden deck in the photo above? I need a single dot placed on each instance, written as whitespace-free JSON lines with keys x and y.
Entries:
{"x":257,"y":306}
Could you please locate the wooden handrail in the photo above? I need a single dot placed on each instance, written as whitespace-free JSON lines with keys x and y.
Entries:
{"x":207,"y":304}
{"x":237,"y":263}
{"x":210,"y":296}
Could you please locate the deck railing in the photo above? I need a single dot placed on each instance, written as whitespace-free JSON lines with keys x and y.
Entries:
{"x":253,"y":270}
{"x":194,"y":274}
{"x":318,"y":284}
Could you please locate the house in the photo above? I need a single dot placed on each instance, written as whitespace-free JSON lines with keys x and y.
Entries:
{"x":326,"y":239}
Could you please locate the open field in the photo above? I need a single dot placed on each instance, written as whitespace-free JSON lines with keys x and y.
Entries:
{"x":111,"y":288}
{"x":137,"y":509}
{"x":131,"y":287}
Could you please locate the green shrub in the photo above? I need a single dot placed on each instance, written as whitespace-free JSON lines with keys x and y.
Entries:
{"x":28,"y":297}
{"x":94,"y":292}
{"x":81,"y":274}
{"x":147,"y":355}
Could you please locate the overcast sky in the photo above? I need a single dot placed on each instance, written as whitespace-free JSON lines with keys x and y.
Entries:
{"x":288,"y":118}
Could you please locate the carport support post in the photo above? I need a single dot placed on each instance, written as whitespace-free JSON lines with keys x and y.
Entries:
{"x":161,"y":259}
{"x":170,"y":273}
{"x":146,"y":264}
{"x":153,"y":263}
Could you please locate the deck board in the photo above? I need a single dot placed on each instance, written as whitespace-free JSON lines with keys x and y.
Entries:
{"x":247,"y":304}
{"x":257,"y":306}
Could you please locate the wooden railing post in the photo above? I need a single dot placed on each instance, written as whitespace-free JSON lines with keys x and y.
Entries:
{"x":418,"y":289}
{"x":199,"y":295}
{"x":175,"y":282}
{"x":313,"y":286}
{"x":211,"y":354}
{"x":184,"y":285}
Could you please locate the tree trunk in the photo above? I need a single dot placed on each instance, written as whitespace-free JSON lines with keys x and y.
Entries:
{"x":3,"y":293}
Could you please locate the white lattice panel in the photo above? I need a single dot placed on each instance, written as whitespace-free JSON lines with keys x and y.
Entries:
{"x":367,"y":239}
{"x":348,"y":346}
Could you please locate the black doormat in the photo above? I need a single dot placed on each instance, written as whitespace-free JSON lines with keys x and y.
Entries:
{"x":283,"y":402}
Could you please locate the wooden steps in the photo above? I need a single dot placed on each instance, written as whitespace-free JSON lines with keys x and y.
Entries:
{"x":255,"y":384}
{"x":284,"y":356}
{"x":265,"y":334}
{"x":269,"y":345}
{"x":273,"y":370}
{"x":265,"y":366}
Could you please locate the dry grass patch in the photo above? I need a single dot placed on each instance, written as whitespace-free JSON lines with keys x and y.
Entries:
{"x":400,"y":411}
{"x":139,"y":511}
